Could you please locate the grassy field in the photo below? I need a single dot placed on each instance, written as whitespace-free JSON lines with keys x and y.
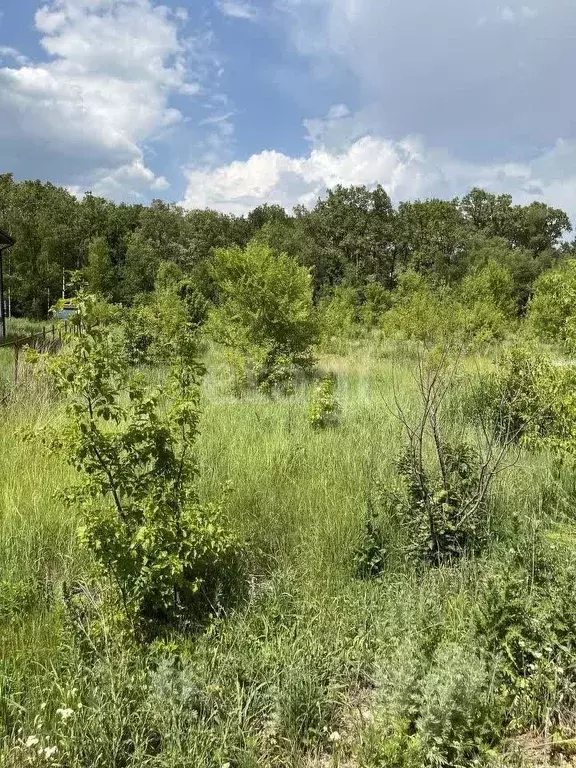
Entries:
{"x":317,"y":667}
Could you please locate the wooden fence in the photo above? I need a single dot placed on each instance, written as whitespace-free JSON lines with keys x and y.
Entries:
{"x":48,"y":339}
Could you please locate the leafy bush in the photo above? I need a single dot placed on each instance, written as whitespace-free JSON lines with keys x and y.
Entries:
{"x":552,"y":311}
{"x":478,"y":311}
{"x":526,"y":620}
{"x":169,"y":556}
{"x":533,"y":398}
{"x":265,"y":312}
{"x":324,"y":409}
{"x":445,"y":507}
{"x":174,"y":308}
{"x":488,"y":306}
{"x":421,"y":312}
{"x":376,"y":300}
{"x":337,"y":312}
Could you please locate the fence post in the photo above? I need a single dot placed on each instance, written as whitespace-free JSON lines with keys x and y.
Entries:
{"x":16,"y":354}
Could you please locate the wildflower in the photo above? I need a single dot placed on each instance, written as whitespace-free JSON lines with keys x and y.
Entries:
{"x":334,"y":736}
{"x":65,"y":712}
{"x":31,"y":741}
{"x":50,"y":751}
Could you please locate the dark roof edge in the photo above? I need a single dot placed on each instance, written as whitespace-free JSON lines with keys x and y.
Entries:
{"x":5,"y":240}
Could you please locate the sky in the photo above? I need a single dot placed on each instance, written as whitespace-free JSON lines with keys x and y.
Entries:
{"x":227,"y":104}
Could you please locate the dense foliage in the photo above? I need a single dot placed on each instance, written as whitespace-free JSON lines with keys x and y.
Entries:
{"x":264,"y":313}
{"x":393,"y":515}
{"x":352,"y":237}
{"x":167,"y":554}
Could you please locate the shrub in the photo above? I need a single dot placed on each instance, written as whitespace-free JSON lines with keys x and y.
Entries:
{"x":265,"y":312}
{"x":492,"y":285}
{"x":421,"y":312}
{"x":532,"y":398}
{"x":174,"y":308}
{"x":552,"y":310}
{"x":526,"y":620}
{"x":445,"y":508}
{"x":478,"y":311}
{"x":447,"y":482}
{"x":376,"y":300}
{"x":453,"y":724}
{"x":169,"y":556}
{"x":337,"y":313}
{"x":324,"y":410}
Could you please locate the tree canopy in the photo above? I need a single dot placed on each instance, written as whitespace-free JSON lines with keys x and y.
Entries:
{"x":353,"y":236}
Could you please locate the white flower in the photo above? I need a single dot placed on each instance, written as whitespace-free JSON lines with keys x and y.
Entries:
{"x":50,"y":752}
{"x":334,"y":736}
{"x":65,"y":713}
{"x":31,"y":741}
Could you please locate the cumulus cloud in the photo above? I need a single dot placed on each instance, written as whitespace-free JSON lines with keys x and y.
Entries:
{"x":237,"y":9}
{"x":84,"y":117}
{"x":407,"y":168}
{"x":8,"y":53}
{"x":478,"y":77}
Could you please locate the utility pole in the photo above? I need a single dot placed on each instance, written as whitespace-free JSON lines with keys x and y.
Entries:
{"x":5,"y":243}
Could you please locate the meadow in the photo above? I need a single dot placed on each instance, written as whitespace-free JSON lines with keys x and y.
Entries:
{"x":298,"y":490}
{"x":315,"y":666}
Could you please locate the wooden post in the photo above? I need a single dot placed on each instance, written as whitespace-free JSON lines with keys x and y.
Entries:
{"x":16,"y":354}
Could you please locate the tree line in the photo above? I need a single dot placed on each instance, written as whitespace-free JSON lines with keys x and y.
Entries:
{"x":353,"y":236}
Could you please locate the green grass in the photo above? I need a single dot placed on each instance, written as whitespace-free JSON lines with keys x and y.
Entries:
{"x":317,"y":668}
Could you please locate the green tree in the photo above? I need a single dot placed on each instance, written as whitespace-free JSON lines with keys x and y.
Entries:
{"x":266,"y":213}
{"x":432,"y":239}
{"x":99,"y":272}
{"x":43,"y":219}
{"x":140,"y":266}
{"x":422,"y":312}
{"x":487,"y":297}
{"x":353,"y":232}
{"x":265,"y":311}
{"x":536,"y":227}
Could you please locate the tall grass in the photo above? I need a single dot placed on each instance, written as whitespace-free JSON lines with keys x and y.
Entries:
{"x":317,"y":668}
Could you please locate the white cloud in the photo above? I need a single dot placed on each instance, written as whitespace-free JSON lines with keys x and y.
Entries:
{"x":216,"y":119}
{"x":400,"y":55}
{"x":6,"y":52}
{"x":237,"y":9}
{"x":407,"y":169}
{"x":511,"y":16}
{"x":86,"y":115}
{"x":507,"y":14}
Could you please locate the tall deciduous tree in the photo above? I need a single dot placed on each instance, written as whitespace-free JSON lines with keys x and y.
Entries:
{"x":99,"y":272}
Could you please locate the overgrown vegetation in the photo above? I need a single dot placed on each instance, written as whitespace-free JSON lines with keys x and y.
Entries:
{"x":363,"y":556}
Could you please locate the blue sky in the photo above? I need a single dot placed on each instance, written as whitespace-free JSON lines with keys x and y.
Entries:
{"x":230,"y":103}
